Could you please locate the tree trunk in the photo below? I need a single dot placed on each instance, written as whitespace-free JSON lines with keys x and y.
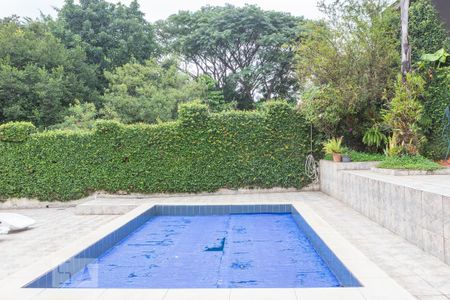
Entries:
{"x":406,"y":49}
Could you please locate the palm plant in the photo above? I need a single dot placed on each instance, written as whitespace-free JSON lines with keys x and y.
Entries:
{"x":334,"y":147}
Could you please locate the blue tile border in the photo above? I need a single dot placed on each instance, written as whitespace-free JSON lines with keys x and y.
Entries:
{"x":56,"y":277}
{"x":206,"y":210}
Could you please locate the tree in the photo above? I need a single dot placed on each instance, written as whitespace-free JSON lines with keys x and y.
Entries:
{"x":406,"y":49}
{"x":79,"y":116}
{"x":39,"y":77}
{"x":213,"y":96}
{"x":112,"y":34}
{"x":346,"y":67}
{"x":247,"y":51}
{"x":148,"y":92}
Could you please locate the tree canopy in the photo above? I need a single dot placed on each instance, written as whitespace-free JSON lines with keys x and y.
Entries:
{"x":246,"y":50}
{"x":39,"y":77}
{"x":148,"y":92}
{"x":347,"y":65}
{"x":98,"y":59}
{"x":111,"y":34}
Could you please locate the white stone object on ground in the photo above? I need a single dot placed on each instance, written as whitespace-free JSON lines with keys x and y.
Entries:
{"x":16,"y":221}
{"x":4,"y":229}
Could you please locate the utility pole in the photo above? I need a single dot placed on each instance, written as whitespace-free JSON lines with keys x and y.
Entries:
{"x":406,"y":48}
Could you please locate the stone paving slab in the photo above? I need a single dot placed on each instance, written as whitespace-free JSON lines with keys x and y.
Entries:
{"x":437,"y":184}
{"x":403,"y":172}
{"x":54,"y":229}
{"x":424,"y":276}
{"x":117,"y":205}
{"x":421,"y":274}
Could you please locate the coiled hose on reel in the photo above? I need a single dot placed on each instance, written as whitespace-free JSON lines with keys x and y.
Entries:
{"x":311,"y":165}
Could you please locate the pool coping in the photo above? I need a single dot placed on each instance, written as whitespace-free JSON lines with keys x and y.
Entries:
{"x":376,"y":284}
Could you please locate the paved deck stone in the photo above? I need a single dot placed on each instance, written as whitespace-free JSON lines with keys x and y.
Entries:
{"x":423,"y":275}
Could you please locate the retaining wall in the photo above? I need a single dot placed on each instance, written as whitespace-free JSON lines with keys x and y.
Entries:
{"x":421,"y":217}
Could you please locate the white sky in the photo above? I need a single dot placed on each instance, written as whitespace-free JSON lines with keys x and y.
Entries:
{"x":161,"y":9}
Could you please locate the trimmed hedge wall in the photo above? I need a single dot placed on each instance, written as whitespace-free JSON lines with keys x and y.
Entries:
{"x":198,"y":152}
{"x":16,"y":131}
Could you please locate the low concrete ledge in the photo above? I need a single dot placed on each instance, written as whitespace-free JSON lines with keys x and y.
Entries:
{"x":402,"y":172}
{"x":105,"y":208}
{"x":25,"y":203}
{"x":103,"y":203}
{"x":113,"y":204}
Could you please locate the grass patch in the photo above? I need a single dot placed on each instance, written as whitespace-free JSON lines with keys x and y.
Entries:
{"x":360,"y":156}
{"x":416,"y":162}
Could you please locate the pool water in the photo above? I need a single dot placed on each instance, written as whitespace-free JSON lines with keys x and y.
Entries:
{"x":219,"y":251}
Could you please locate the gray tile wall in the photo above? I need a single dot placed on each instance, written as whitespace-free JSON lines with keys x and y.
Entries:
{"x":421,"y":217}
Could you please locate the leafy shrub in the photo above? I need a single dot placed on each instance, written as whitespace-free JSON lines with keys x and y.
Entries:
{"x":393,"y":148}
{"x":374,"y":137}
{"x":347,"y":66}
{"x":361,"y":156}
{"x":108,"y":127}
{"x":436,"y":100}
{"x":408,"y":162}
{"x":79,"y":116}
{"x":405,"y":112}
{"x":226,"y":150}
{"x":148,"y":92}
{"x":323,"y":108}
{"x":16,"y":131}
{"x":193,"y":113}
{"x":426,"y":30}
{"x":333,"y":145}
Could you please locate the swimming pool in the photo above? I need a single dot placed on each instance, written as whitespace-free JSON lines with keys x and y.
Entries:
{"x":229,"y":246}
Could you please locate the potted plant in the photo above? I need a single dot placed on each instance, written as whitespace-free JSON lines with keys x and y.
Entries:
{"x":334,"y":147}
{"x":346,"y":155}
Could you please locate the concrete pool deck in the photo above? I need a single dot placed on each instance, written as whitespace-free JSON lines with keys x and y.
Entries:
{"x":421,"y":274}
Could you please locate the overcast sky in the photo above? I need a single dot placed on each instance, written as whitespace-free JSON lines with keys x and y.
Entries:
{"x":160,"y":9}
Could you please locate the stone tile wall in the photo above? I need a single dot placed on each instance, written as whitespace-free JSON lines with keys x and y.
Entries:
{"x":421,"y":217}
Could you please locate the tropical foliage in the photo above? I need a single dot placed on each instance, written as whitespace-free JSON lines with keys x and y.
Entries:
{"x":374,"y":137}
{"x":346,"y":67}
{"x":98,"y":60}
{"x":148,"y":92}
{"x":436,"y":70}
{"x":333,"y":146}
{"x":405,"y":112}
{"x":427,"y":33}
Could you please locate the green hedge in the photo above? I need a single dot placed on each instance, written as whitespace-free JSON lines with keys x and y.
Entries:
{"x":16,"y":131}
{"x":199,"y":152}
{"x":435,"y":101}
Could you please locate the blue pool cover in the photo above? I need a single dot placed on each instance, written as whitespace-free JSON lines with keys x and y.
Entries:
{"x":227,"y":251}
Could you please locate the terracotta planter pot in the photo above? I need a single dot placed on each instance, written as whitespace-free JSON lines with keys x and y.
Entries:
{"x":337,"y":157}
{"x":445,"y":163}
